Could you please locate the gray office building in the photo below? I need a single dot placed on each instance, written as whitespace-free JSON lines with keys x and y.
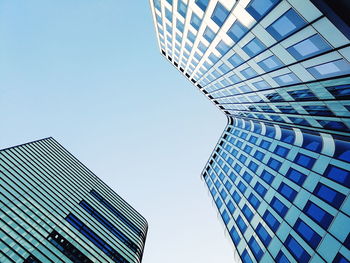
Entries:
{"x":54,"y":209}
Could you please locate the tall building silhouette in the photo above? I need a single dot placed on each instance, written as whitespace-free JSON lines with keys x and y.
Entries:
{"x":279,"y":71}
{"x":54,"y":209}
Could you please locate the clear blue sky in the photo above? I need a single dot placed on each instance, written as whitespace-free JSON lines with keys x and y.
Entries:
{"x":88,"y":73}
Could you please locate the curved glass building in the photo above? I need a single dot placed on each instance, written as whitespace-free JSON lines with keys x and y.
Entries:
{"x":279,"y":70}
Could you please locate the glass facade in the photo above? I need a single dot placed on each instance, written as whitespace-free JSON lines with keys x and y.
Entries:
{"x":54,"y":209}
{"x":280,"y":71}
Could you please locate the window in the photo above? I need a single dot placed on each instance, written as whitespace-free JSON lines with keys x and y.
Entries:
{"x":202,"y":47}
{"x":168,"y":14}
{"x":263,"y":235}
{"x":340,"y":92}
{"x":233,"y":177}
{"x":298,"y":252}
{"x":213,"y":58}
{"x":274,"y":164}
{"x":118,"y":214}
{"x":191,"y":37}
{"x":195,"y":21}
{"x":261,"y":85}
{"x":254,"y":246}
{"x":267,"y":177}
{"x":259,"y":155}
{"x":236,"y":197}
{"x":307,"y":233}
{"x":296,"y":176}
{"x":281,"y":151}
{"x":279,"y":207}
{"x":202,"y":4}
{"x":247,"y":177}
{"x":271,"y":221}
{"x":286,"y":79}
{"x":223,"y":194}
{"x":338,"y":175}
{"x":265,"y":144}
{"x":242,"y":187}
{"x":334,"y":125}
{"x":67,"y":248}
{"x":281,"y":258}
{"x":179,"y":25}
{"x":231,"y":207}
{"x":249,"y":73}
{"x":309,"y":47}
{"x":220,"y":14}
{"x":318,"y":110}
{"x":247,"y":213}
{"x":245,"y":257}
{"x":286,"y":25}
{"x":237,"y":31}
{"x":97,"y":240}
{"x":304,"y":160}
{"x":209,"y":34}
{"x":254,"y":201}
{"x":235,"y":60}
{"x":288,"y":192}
{"x":254,"y":47}
{"x":259,"y":8}
{"x":270,"y":63}
{"x":260,"y":189}
{"x":182,"y":8}
{"x":222,"y":47}
{"x":235,"y":236}
{"x":157,"y":4}
{"x":319,"y":215}
{"x":108,"y":225}
{"x":253,"y":166}
{"x":241,"y":225}
{"x":224,"y":68}
{"x":300,"y":95}
{"x":330,"y":69}
{"x":225,"y":217}
{"x":329,"y":195}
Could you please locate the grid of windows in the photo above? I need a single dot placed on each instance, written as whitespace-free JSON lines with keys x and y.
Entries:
{"x":272,"y":59}
{"x":280,"y":173}
{"x":45,"y":219}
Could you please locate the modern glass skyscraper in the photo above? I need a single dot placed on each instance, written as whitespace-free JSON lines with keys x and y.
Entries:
{"x":280,"y":71}
{"x":54,"y":209}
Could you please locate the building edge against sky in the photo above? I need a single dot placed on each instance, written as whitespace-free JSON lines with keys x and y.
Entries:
{"x":279,"y":175}
{"x":54,"y":209}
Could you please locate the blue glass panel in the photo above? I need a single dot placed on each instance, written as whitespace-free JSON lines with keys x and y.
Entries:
{"x":304,"y":160}
{"x":265,"y":144}
{"x":168,"y":14}
{"x":260,"y":189}
{"x":300,"y":95}
{"x":338,"y":175}
{"x":286,"y":79}
{"x":281,"y":258}
{"x":254,"y":47}
{"x":236,"y":197}
{"x":340,"y":92}
{"x":334,"y":125}
{"x":208,"y":34}
{"x":254,"y":201}
{"x":222,"y":47}
{"x":242,"y":187}
{"x":319,"y":215}
{"x":263,"y":235}
{"x":307,"y":233}
{"x":231,"y":207}
{"x":235,"y":60}
{"x":281,"y":151}
{"x":202,"y":47}
{"x":241,"y":225}
{"x":298,"y":252}
{"x":329,"y":195}
{"x":213,"y":58}
{"x":286,"y":25}
{"x":181,"y":8}
{"x":220,"y":14}
{"x":261,"y":85}
{"x":247,"y":213}
{"x":340,"y":259}
{"x":259,"y":155}
{"x":296,"y":176}
{"x":311,"y":46}
{"x":287,"y":192}
{"x":267,"y":177}
{"x":259,"y":8}
{"x":270,"y":63}
{"x":202,"y":4}
{"x":245,"y":257}
{"x":249,"y":73}
{"x":254,"y":246}
{"x":330,"y":69}
{"x":279,"y":207}
{"x":195,"y":21}
{"x":312,"y":142}
{"x":191,"y":37}
{"x":271,"y":221}
{"x":235,"y":236}
{"x":225,"y":217}
{"x":237,"y":31}
{"x":274,"y":164}
{"x":253,"y":166}
{"x":179,"y":25}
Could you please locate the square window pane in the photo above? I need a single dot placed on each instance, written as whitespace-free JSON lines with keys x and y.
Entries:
{"x":220,"y":14}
